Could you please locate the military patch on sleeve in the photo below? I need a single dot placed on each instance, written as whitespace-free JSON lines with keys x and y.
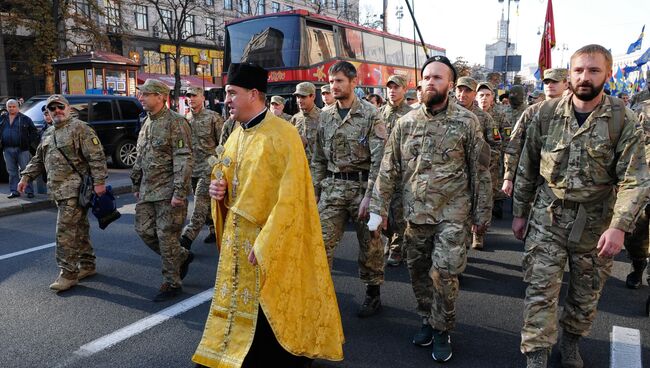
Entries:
{"x":181,"y":144}
{"x":95,"y":141}
{"x":495,"y":134}
{"x":507,"y":131}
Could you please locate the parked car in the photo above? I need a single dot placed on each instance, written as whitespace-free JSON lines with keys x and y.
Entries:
{"x":116,"y":119}
{"x":3,"y":103}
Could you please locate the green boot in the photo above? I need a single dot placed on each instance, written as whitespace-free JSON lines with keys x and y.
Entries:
{"x":537,"y":359}
{"x":570,"y":351}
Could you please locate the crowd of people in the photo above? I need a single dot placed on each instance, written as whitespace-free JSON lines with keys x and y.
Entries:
{"x":420,"y":176}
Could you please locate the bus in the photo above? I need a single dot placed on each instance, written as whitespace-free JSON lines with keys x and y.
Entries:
{"x":297,"y":46}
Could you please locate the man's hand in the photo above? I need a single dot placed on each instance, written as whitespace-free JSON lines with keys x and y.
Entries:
{"x":479,"y":229}
{"x":177,"y":202}
{"x":100,"y":189}
{"x":251,"y":257}
{"x":136,"y":195}
{"x":519,"y":227}
{"x":363,"y":208}
{"x":507,"y":187}
{"x":610,"y":243}
{"x":22,"y":185}
{"x":218,"y":189}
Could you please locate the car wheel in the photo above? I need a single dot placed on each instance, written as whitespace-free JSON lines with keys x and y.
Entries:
{"x":125,"y":153}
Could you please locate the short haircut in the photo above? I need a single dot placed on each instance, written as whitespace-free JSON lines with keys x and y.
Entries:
{"x":12,"y":102}
{"x":345,"y":67}
{"x":504,"y":95}
{"x":620,"y":95}
{"x":595,"y":49}
{"x":378,"y":97}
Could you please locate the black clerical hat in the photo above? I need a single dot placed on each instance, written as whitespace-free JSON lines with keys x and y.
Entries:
{"x":248,"y":76}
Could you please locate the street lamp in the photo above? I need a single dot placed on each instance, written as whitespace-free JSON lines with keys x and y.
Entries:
{"x":399,"y":14}
{"x":505,"y":72}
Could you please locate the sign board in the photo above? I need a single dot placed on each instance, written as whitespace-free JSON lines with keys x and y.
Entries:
{"x":514,"y":63}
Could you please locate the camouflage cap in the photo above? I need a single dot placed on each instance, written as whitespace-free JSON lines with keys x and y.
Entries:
{"x":197,"y":91}
{"x":555,"y":74}
{"x":397,"y":79}
{"x":277,"y":100}
{"x":410,"y":95}
{"x":325,"y":88}
{"x":467,"y":82}
{"x":56,"y":98}
{"x":487,"y":85}
{"x":536,"y":93}
{"x":154,"y":86}
{"x":305,"y":89}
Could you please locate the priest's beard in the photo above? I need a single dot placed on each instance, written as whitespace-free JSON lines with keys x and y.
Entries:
{"x":432,"y":98}
{"x":590,"y":94}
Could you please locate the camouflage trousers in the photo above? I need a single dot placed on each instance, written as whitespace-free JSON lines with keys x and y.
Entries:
{"x":396,"y":224}
{"x":547,"y":250}
{"x":435,"y":256}
{"x":73,"y":247}
{"x":339,"y":202}
{"x":201,"y":213}
{"x":636,"y":243}
{"x":159,"y":225}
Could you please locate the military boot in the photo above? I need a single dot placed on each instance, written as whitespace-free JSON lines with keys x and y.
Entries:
{"x":477,"y":241}
{"x":537,"y":359}
{"x":372,"y":304}
{"x":569,"y":350}
{"x":62,"y":283}
{"x":186,"y":242}
{"x":211,"y":238}
{"x":634,"y":279}
{"x":86,"y":272}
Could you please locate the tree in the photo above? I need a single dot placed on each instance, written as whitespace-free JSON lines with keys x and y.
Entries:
{"x":57,"y":28}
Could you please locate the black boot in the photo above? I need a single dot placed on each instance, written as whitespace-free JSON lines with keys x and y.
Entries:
{"x":634,"y":279}
{"x":186,"y":242}
{"x":497,"y":209}
{"x":211,"y":238}
{"x":372,"y":303}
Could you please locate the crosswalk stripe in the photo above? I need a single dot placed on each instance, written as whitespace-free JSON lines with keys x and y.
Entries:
{"x":626,"y":348}
{"x":25,"y":251}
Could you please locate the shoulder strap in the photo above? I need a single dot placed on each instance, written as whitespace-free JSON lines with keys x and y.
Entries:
{"x":546,"y":113}
{"x":615,"y":126}
{"x":66,"y":157}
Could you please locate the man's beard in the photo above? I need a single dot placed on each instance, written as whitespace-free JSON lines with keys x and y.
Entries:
{"x":590,"y":94}
{"x":432,"y":98}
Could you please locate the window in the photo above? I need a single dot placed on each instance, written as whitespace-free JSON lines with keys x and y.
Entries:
{"x":188,"y":26}
{"x":245,"y":6}
{"x":80,"y":109}
{"x":288,"y":8}
{"x":112,"y":15}
{"x":319,"y":45}
{"x":352,"y":46}
{"x":335,"y":4}
{"x":373,"y":47}
{"x":227,"y":5}
{"x":261,"y":7}
{"x":82,"y":7}
{"x":409,"y":54}
{"x":84,"y":48}
{"x":210,"y":29}
{"x":209,"y":2}
{"x":275,"y":7}
{"x":141,"y":17}
{"x":102,"y":111}
{"x":154,"y":62}
{"x":166,"y":19}
{"x":393,"y":52}
{"x":130,"y":111}
{"x":185,"y":65}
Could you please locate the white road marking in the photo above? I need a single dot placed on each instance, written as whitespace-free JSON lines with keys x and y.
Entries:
{"x":626,"y":348}
{"x":142,"y":325}
{"x":19,"y":253}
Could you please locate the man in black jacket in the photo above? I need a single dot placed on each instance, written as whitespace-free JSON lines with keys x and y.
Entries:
{"x":17,"y":135}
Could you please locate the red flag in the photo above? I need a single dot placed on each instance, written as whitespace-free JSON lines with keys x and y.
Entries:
{"x":548,"y":40}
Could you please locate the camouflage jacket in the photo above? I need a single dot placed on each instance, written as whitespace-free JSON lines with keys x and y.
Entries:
{"x":228,"y":126}
{"x":206,"y":130}
{"x":643,"y":109}
{"x":441,"y":164}
{"x":491,"y":135}
{"x":80,"y":144}
{"x":163,"y":166}
{"x":307,"y":125}
{"x":390,"y":114}
{"x":511,"y":116}
{"x":353,"y":144}
{"x":637,"y":99}
{"x":513,"y":150}
{"x":582,"y":164}
{"x":285,"y":116}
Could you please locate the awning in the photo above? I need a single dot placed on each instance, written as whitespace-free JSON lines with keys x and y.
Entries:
{"x":186,"y":80}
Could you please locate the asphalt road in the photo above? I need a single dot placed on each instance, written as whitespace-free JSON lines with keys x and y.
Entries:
{"x":39,"y":328}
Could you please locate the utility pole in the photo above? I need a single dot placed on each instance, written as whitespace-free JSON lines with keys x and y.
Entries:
{"x":385,"y":16}
{"x":4,"y":86}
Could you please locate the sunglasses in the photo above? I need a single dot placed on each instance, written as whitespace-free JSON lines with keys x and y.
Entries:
{"x":190,"y":95}
{"x":53,"y":107}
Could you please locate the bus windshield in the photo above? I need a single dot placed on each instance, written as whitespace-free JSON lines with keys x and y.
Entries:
{"x":271,"y":42}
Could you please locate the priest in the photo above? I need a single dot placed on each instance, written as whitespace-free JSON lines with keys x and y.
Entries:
{"x":274,"y":299}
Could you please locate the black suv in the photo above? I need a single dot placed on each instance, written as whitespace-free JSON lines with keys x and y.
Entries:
{"x":116,"y":119}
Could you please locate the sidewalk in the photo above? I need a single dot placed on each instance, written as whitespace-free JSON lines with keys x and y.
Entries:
{"x":118,"y":178}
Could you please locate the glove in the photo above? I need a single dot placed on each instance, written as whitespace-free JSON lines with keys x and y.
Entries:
{"x":374,"y":222}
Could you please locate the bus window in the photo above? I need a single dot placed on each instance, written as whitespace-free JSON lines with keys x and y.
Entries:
{"x":393,"y":52}
{"x":351,"y":42}
{"x":409,"y":54}
{"x":272,"y":42}
{"x":373,"y":47}
{"x":422,"y":58}
{"x":319,"y":46}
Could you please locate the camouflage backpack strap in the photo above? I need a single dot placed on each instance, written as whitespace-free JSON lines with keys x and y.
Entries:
{"x":615,"y":126}
{"x":547,"y":113}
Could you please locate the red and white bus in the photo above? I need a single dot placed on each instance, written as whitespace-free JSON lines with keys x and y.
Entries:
{"x":298,"y":46}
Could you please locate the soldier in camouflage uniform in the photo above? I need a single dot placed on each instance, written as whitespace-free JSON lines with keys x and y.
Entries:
{"x":393,"y":110}
{"x":438,"y":156}
{"x":326,"y":94}
{"x":228,"y":126}
{"x":347,"y":154}
{"x":466,"y":97}
{"x":206,"y":127}
{"x":638,"y":98}
{"x":78,"y":142}
{"x":588,"y":149}
{"x":161,"y":183}
{"x":555,"y":83}
{"x":308,"y":118}
{"x":277,"y":107}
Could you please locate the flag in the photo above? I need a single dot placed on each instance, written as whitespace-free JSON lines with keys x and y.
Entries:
{"x":636,"y":45}
{"x":631,"y":68}
{"x":644,"y":58}
{"x":548,"y":40}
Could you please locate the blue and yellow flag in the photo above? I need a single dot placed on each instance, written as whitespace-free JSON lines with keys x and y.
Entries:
{"x":636,"y":45}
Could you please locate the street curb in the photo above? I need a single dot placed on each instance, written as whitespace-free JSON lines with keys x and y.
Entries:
{"x":47,"y":203}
